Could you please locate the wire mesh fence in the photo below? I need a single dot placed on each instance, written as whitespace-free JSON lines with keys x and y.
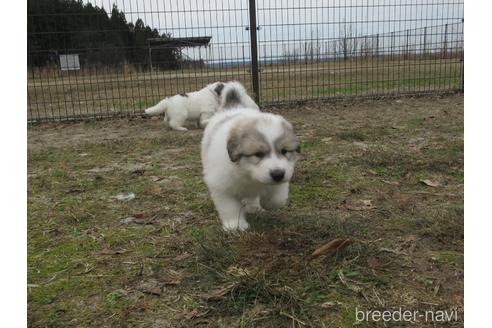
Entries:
{"x":107,"y":58}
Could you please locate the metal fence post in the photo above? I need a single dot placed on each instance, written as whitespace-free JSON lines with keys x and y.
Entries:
{"x":150,"y":57}
{"x":425,"y":42}
{"x":254,"y":49}
{"x":462,"y":60}
{"x":445,"y":50}
{"x":407,"y":49}
{"x":377,"y":45}
{"x":392,"y":44}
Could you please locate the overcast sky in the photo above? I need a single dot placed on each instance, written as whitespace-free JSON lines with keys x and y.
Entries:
{"x":286,"y":24}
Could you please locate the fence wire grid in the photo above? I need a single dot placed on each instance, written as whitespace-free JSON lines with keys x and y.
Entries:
{"x":108,"y":58}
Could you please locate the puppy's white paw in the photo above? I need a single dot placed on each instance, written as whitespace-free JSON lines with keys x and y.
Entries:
{"x":179,"y":128}
{"x":252,"y":206}
{"x":275,"y":197}
{"x":235,"y":225}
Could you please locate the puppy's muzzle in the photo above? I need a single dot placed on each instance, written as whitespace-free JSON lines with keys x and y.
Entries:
{"x":277,"y":174}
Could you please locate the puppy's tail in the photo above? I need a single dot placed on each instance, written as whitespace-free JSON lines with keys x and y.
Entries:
{"x":157,"y":109}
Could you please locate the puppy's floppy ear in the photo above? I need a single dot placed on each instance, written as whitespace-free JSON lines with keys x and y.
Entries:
{"x":233,"y":146}
{"x":288,"y":140}
{"x":218,"y":88}
{"x":245,"y":140}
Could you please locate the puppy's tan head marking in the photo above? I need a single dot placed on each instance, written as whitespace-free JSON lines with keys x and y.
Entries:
{"x":287,"y":141}
{"x":245,"y":140}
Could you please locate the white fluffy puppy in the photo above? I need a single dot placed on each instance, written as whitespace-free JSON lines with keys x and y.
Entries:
{"x":248,"y":160}
{"x":235,"y":95}
{"x":196,"y":106}
{"x":200,"y":105}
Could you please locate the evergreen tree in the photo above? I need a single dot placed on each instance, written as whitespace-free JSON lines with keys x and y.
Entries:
{"x":70,"y":26}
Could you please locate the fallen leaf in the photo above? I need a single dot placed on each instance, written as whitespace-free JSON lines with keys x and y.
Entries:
{"x":430,"y":183}
{"x":171,"y":282}
{"x":125,"y":197}
{"x":366,"y":206}
{"x":355,"y":190}
{"x":151,"y":286}
{"x":108,"y":251}
{"x":373,"y":262}
{"x":334,"y":245}
{"x":360,"y":144}
{"x":144,"y":218}
{"x":218,"y":294}
{"x":75,"y":190}
{"x":188,"y":315}
{"x":182,"y":257}
{"x":155,"y":178}
{"x":331,"y":305}
{"x":407,"y":244}
{"x":138,"y":171}
{"x":394,"y":251}
{"x":127,"y":220}
{"x":100,"y":169}
{"x":393,"y":183}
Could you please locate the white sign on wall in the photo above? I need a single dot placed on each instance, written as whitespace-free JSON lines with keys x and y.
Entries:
{"x":69,"y":62}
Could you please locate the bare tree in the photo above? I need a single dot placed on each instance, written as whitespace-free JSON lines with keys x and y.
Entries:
{"x":366,"y":47}
{"x":291,"y":56}
{"x":347,"y":43}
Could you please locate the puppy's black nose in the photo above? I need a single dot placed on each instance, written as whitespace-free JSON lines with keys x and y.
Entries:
{"x":277,"y":174}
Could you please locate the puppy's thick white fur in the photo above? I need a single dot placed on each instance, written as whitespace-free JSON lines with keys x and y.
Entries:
{"x":243,"y":153}
{"x":196,"y":106}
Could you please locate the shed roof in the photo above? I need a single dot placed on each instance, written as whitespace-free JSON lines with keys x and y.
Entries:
{"x":181,"y":42}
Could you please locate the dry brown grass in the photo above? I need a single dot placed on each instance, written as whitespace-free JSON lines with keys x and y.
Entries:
{"x":181,"y":270}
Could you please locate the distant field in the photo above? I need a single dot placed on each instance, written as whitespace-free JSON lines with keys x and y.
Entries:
{"x":80,"y":93}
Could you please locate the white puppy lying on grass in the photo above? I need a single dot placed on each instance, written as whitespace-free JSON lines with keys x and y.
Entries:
{"x":200,"y":105}
{"x":196,"y":106}
{"x":248,"y":160}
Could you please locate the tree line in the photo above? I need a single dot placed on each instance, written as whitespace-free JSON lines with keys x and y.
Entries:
{"x":57,"y":27}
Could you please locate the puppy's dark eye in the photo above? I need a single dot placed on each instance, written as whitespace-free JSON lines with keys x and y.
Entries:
{"x":284,"y":151}
{"x":260,"y":154}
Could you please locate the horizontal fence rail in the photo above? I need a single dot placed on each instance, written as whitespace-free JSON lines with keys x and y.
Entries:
{"x":114,"y":58}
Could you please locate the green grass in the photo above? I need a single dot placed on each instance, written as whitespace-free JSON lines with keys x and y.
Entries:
{"x":416,"y":84}
{"x":406,"y":245}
